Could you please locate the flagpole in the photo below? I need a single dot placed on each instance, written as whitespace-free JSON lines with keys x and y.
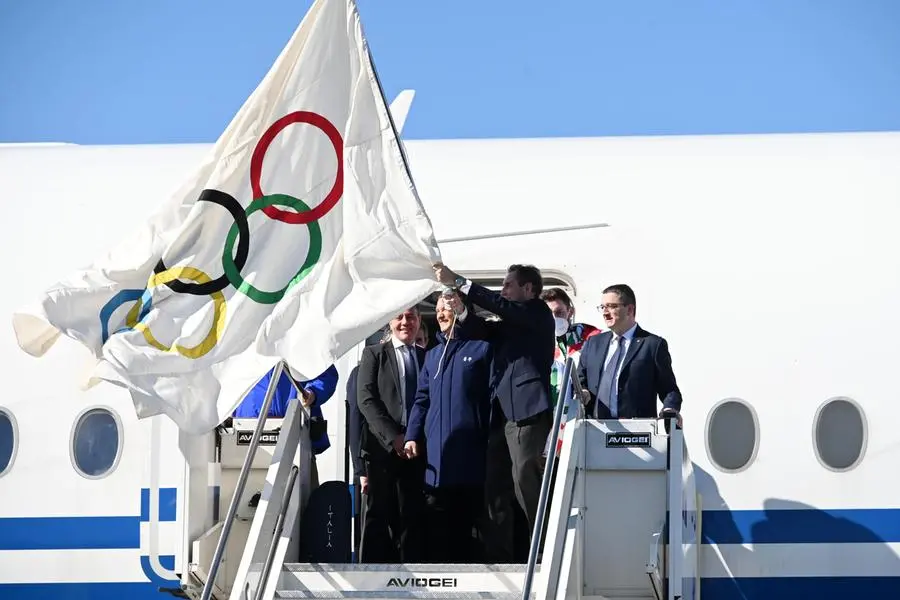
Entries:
{"x":371,"y":62}
{"x":487,"y":236}
{"x":390,"y":117}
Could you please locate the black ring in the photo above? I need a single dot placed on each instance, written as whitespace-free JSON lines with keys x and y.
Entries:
{"x":243,"y":247}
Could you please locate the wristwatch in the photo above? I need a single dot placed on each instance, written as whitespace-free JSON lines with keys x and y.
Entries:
{"x":459,"y":281}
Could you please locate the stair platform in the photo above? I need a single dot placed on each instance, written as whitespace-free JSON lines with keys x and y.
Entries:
{"x":402,"y":581}
{"x":402,"y":595}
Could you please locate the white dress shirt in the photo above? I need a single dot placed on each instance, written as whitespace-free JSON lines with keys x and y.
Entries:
{"x":613,"y":347}
{"x":399,"y":350}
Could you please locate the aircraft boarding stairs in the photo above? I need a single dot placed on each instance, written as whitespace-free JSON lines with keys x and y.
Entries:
{"x":619,"y":483}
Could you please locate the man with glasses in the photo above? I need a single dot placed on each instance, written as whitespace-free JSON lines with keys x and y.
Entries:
{"x":624,"y":370}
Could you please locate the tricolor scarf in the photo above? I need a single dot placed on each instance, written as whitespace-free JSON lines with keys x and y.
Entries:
{"x":567,"y":345}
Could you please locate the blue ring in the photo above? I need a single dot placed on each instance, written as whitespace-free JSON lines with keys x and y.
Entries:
{"x":118,"y":300}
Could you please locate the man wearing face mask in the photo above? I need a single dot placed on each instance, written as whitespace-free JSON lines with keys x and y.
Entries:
{"x":570,"y":337}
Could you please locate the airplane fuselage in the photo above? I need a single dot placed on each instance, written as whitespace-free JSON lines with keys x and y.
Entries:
{"x":769,"y":263}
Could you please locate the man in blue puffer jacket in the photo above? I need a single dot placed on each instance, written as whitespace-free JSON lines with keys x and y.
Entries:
{"x":451,"y":417}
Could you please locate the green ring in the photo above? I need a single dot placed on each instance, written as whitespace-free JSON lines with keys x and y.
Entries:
{"x":312,"y":256}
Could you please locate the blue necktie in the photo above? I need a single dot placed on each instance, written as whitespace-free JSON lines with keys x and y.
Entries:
{"x":608,"y":379}
{"x":410,"y":378}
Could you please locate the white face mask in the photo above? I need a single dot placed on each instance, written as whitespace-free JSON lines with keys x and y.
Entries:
{"x":562,"y":326}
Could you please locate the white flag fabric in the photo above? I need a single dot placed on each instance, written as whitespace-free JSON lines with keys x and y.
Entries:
{"x":298,"y":236}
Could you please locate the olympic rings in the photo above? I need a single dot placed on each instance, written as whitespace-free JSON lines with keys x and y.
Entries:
{"x":220,"y":283}
{"x":256,"y":163}
{"x":199,"y":283}
{"x":218,"y":324}
{"x":232,"y":271}
{"x":134,"y":318}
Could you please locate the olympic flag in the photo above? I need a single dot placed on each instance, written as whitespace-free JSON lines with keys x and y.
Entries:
{"x":299,"y":235}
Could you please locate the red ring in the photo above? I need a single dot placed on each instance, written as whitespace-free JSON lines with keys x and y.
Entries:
{"x":256,"y":162}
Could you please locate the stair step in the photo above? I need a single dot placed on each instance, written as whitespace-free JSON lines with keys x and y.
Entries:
{"x":403,"y":580}
{"x":408,"y":567}
{"x":400,"y":595}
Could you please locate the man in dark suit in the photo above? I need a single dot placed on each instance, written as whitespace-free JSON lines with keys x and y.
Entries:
{"x":521,"y":419}
{"x":624,"y":370}
{"x":386,"y":388}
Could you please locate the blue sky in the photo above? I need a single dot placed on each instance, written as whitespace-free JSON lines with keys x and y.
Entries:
{"x":165,"y":71}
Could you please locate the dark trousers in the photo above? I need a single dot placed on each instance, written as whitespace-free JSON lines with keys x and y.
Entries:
{"x":359,"y":514}
{"x":392,"y":529}
{"x":515,"y":467}
{"x":452,"y":516}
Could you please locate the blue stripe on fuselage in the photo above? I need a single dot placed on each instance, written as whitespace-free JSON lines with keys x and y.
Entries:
{"x":749,"y":588}
{"x":166,"y":562}
{"x":792,"y":588}
{"x":89,"y":533}
{"x":168,"y":507}
{"x":801,"y":526}
{"x":83,"y":591}
{"x":70,"y":533}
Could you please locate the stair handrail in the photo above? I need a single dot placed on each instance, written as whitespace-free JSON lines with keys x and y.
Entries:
{"x":264,"y":543}
{"x":279,"y":528}
{"x":569,"y":388}
{"x":241,"y":483}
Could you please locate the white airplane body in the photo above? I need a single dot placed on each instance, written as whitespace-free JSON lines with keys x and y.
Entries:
{"x":768,"y":262}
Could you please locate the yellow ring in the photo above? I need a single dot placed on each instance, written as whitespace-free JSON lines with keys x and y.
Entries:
{"x":219,"y":309}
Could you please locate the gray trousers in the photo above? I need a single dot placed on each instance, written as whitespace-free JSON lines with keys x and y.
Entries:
{"x":515,"y":468}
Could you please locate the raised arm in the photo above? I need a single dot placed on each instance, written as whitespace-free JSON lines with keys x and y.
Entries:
{"x":530,"y":314}
{"x":527,"y":315}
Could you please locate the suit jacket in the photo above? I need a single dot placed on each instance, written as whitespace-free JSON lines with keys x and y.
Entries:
{"x":645,"y":376}
{"x":523,"y":345}
{"x":356,"y":425}
{"x":378,"y":397}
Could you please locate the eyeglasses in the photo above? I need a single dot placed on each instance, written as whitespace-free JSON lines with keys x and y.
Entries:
{"x":610,"y":306}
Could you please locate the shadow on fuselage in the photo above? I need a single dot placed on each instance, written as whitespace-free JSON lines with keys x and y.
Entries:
{"x":793,"y":550}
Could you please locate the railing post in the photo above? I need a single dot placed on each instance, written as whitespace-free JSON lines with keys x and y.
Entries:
{"x":545,"y":483}
{"x":279,"y":528}
{"x":241,"y":483}
{"x":674,"y":510}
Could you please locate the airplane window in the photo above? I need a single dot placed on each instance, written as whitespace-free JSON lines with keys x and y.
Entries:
{"x":732,"y":435}
{"x":96,"y":443}
{"x":839,"y":434}
{"x":7,"y":440}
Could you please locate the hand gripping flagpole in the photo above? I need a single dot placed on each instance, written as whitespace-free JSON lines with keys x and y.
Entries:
{"x":241,"y":482}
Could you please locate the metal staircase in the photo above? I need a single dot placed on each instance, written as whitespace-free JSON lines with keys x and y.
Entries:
{"x":623,"y":523}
